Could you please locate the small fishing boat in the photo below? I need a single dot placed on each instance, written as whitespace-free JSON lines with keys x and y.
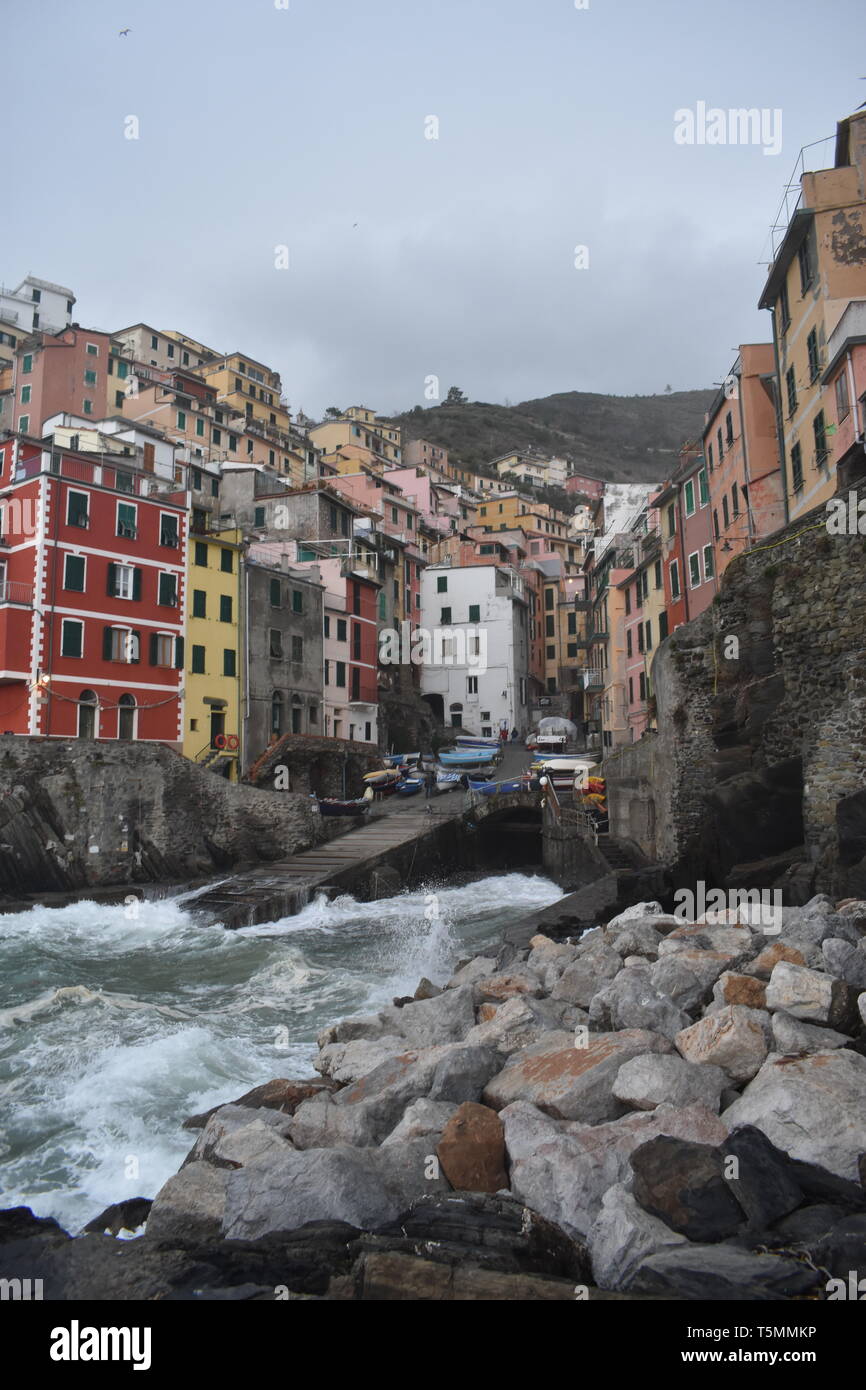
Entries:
{"x":446,"y":781}
{"x":409,"y":786}
{"x":402,"y":759}
{"x":331,"y":806}
{"x":468,"y":757}
{"x":514,"y":784}
{"x":383,"y":780}
{"x":476,"y":741}
{"x":486,"y":788}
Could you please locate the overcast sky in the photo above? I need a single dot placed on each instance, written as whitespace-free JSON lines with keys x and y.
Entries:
{"x":261,"y":127}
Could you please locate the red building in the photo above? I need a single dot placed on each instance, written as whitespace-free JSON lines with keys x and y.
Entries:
{"x":361,"y":606}
{"x":91,"y":597}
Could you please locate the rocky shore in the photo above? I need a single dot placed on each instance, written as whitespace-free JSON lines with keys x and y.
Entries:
{"x":655,"y":1110}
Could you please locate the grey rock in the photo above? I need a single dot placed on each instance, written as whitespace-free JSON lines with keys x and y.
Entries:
{"x":473,"y":970}
{"x":190,"y":1205}
{"x":808,"y":994}
{"x":463,"y":1072}
{"x":320,"y":1124}
{"x":814,"y":1108}
{"x":353,"y":1029}
{"x":345,"y":1062}
{"x":639,"y":938}
{"x":845,"y":961}
{"x":548,"y":959}
{"x":432,"y":1022}
{"x":687,"y":976}
{"x":734,"y":1038}
{"x":632,"y":1001}
{"x":580,"y":981}
{"x":637,"y":912}
{"x":622,"y":1236}
{"x":792,"y":1036}
{"x":651,"y":1080}
{"x":423,"y":1119}
{"x":234,"y":1135}
{"x":719,"y":1273}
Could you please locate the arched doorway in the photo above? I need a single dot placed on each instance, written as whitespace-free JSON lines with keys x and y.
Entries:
{"x":87,"y":708}
{"x":437,"y":707}
{"x":126,"y":718}
{"x":456,"y":713}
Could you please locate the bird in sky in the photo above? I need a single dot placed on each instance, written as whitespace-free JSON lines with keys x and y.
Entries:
{"x":122,"y":33}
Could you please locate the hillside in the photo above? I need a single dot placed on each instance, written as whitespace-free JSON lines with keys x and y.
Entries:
{"x":627,"y":438}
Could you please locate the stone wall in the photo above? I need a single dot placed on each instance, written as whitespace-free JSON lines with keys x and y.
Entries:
{"x":760,"y":750}
{"x":76,"y":814}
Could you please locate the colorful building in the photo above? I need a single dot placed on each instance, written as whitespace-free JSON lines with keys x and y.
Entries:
{"x":215,"y":652}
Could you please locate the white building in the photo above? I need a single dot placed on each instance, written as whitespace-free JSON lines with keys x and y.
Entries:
{"x":36,"y":305}
{"x":476,"y":618}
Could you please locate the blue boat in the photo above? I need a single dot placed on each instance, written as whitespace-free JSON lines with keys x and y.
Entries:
{"x":476,"y":741}
{"x":486,"y":788}
{"x":514,"y":785}
{"x":468,"y":757}
{"x":446,"y":781}
{"x":410,"y":786}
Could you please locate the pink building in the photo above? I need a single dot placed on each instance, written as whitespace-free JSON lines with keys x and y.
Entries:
{"x":844,"y":382}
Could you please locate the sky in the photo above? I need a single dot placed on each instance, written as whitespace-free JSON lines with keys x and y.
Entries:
{"x":380,"y":199}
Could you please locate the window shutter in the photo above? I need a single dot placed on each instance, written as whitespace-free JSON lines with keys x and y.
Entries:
{"x":178,"y":653}
{"x":112,"y":582}
{"x":106,"y":643}
{"x":136,"y":648}
{"x":136,"y":583}
{"x":154,"y":649}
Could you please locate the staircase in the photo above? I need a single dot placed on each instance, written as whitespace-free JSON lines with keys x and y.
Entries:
{"x":621,"y":855}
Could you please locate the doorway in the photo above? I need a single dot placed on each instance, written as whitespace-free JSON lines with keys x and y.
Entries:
{"x":126,"y":718}
{"x":87,"y":714}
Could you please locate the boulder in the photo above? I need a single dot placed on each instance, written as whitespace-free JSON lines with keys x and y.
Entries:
{"x":632,"y":1001}
{"x":190,"y":1206}
{"x":639,"y":938}
{"x":433,"y":1022}
{"x":345,"y":1062}
{"x":495,"y":989}
{"x":425,"y":989}
{"x":734,"y":942}
{"x":473,"y":970}
{"x":654,"y":1079}
{"x":814,"y":1108}
{"x":682,"y":1183}
{"x":235,"y":1135}
{"x":721,"y":1273}
{"x":354,"y":1029}
{"x":463,"y":1072}
{"x":845,"y":961}
{"x":565,"y":1176}
{"x":861,"y":1007}
{"x":127,"y":1215}
{"x":581,"y":980}
{"x":320,"y":1124}
{"x":687,"y":976}
{"x":623,"y":1235}
{"x":526,"y":1128}
{"x":569,"y":1082}
{"x":808,"y":995}
{"x":792,"y":1037}
{"x":423,"y":1119}
{"x":472,"y":1150}
{"x":548,"y":959}
{"x":637,"y":912}
{"x":760,"y":1176}
{"x":280,"y":1094}
{"x":769,"y":957}
{"x":517,"y":1022}
{"x":731,"y":988}
{"x":734,"y":1038}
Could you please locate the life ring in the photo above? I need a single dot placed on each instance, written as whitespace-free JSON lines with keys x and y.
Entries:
{"x":219,"y":741}
{"x":233,"y":741}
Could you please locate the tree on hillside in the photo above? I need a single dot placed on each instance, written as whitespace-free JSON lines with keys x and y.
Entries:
{"x":333,"y":412}
{"x":455,"y":397}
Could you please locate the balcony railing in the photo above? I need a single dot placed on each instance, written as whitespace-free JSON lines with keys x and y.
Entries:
{"x":11,"y":591}
{"x":593,"y":680}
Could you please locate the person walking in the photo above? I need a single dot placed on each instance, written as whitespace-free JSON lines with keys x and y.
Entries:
{"x":513,"y":735}
{"x":429,"y":783}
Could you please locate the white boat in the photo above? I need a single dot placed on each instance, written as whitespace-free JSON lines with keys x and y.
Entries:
{"x":476,"y":741}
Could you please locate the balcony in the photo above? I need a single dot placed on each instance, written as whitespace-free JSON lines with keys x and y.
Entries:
{"x":592,"y":680}
{"x":11,"y":591}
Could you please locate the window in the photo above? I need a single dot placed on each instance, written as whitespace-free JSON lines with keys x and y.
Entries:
{"x":276,"y":713}
{"x":168,"y":590}
{"x":550,"y":626}
{"x":198,"y":661}
{"x":25,"y":395}
{"x":694,"y":570}
{"x":628,"y":601}
{"x":726,"y":511}
{"x":642,"y":685}
{"x":201,"y":553}
{"x":657,"y":574}
{"x":720,"y":445}
{"x":708,"y":562}
{"x":804,"y":256}
{"x":276,"y":644}
{"x":340,"y":677}
{"x":441,"y":584}
{"x":703,"y":491}
{"x":341,"y":630}
{"x":259,"y":516}
{"x":783,"y":310}
{"x":77,"y":513}
{"x":472,"y":685}
{"x":276,"y":598}
{"x":571,"y":650}
{"x":710,"y":456}
{"x":475,"y":612}
{"x":689,"y":494}
{"x":796,"y":468}
{"x":168,"y":534}
{"x":445,"y":615}
{"x":225,"y":608}
{"x":23,"y":423}
{"x":631,"y":690}
{"x":843,"y":402}
{"x":199,"y":603}
{"x":297,"y":601}
{"x":548,"y":598}
{"x":640,"y":637}
{"x":27,"y":363}
{"x":791,"y":388}
{"x":120,"y":644}
{"x":127,"y":520}
{"x":297,"y":649}
{"x":90,"y":378}
{"x":729,"y":428}
{"x":154,"y":341}
{"x":119,"y":398}
{"x":628,"y":642}
{"x":672,"y":519}
{"x":814,"y":356}
{"x":88,"y":407}
{"x":663,"y":626}
{"x":124,"y":581}
{"x":72,"y":638}
{"x":181,"y":419}
{"x":227,"y":561}
{"x":216,"y":435}
{"x":228,"y":661}
{"x":820,"y":431}
{"x":73,"y":573}
{"x":551,"y":653}
{"x":648,"y":627}
{"x":675,"y":579}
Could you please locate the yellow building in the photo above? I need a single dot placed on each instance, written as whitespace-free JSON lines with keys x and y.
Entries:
{"x":249,"y":389}
{"x":374,"y":441}
{"x":215,"y":643}
{"x":813,"y":278}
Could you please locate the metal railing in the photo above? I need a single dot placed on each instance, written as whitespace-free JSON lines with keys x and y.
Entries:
{"x":11,"y":591}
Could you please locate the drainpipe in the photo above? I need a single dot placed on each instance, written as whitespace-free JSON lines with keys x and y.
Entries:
{"x":780,"y":427}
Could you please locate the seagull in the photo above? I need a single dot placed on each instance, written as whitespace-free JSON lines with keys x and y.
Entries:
{"x":122,"y":33}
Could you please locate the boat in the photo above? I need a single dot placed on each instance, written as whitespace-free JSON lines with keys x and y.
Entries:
{"x":385,"y":778}
{"x":468,"y":757}
{"x":446,"y":781}
{"x":331,"y":806}
{"x":476,"y":741}
{"x":514,"y":784}
{"x":564,"y":772}
{"x":409,"y":786}
{"x":402,"y":759}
